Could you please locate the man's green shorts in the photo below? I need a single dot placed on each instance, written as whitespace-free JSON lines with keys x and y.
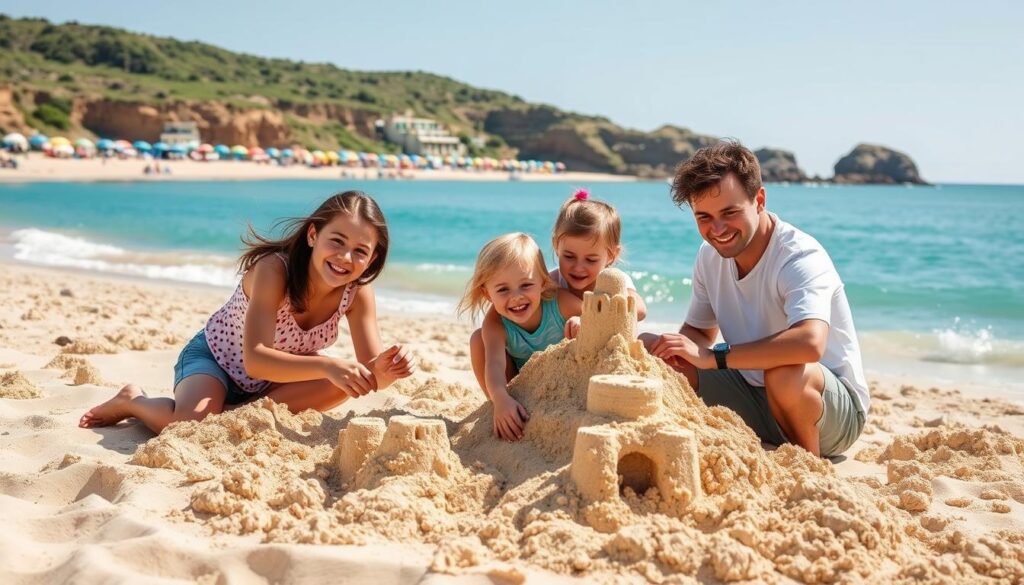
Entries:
{"x":841,"y":422}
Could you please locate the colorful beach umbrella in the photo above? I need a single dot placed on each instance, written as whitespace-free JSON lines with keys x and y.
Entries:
{"x":38,"y":141}
{"x":239,"y":151}
{"x":62,"y":150}
{"x":59,"y":141}
{"x":142,"y":146}
{"x":16,"y":142}
{"x":273,"y":152}
{"x":222,"y":149}
{"x":105,"y":144}
{"x":287,"y":153}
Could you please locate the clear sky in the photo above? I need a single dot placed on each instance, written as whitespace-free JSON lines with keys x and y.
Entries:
{"x":941,"y":81}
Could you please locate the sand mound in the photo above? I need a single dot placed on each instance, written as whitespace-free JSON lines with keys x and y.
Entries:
{"x":15,"y":385}
{"x":77,"y":369}
{"x":88,"y":347}
{"x":646,"y":482}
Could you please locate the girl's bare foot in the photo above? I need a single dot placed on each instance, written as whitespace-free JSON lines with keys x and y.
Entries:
{"x":112,"y":411}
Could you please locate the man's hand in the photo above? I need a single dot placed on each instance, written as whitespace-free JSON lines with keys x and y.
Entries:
{"x":678,"y":346}
{"x":572,"y":327}
{"x":509,"y":418}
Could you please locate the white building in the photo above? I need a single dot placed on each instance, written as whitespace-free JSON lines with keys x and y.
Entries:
{"x":422,"y":136}
{"x":180,"y":133}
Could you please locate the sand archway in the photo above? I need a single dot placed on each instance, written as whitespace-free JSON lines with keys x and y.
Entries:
{"x":636,"y":471}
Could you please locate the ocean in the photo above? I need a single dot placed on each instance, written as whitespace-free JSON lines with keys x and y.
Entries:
{"x":935,"y":274}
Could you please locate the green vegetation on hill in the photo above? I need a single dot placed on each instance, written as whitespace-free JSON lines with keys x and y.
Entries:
{"x":80,"y":79}
{"x":138,"y":67}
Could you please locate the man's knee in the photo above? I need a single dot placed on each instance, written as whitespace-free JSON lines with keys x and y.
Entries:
{"x":788,"y":385}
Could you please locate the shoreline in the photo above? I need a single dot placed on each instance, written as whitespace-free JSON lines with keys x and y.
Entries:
{"x":980,"y":381}
{"x":37,"y":168}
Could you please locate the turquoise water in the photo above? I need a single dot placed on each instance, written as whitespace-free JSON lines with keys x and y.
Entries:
{"x":940,"y":269}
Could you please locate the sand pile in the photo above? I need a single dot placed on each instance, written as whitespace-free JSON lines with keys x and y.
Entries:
{"x":625,"y":473}
{"x":15,"y":385}
{"x":77,"y":369}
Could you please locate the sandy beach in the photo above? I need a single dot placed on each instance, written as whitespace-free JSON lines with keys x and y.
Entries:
{"x":36,"y":167}
{"x":932,"y":492}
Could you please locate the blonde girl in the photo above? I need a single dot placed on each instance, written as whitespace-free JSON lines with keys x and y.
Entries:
{"x":265,"y":340}
{"x":586,"y":240}
{"x":524,"y":312}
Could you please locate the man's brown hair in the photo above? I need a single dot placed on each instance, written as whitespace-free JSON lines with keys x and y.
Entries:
{"x":711,"y":164}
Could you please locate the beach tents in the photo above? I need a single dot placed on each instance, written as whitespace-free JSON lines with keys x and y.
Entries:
{"x":62,"y":149}
{"x":15,"y":142}
{"x":38,"y":141}
{"x":85,"y":148}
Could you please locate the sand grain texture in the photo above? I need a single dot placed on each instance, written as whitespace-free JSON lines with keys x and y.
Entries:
{"x":932,"y":495}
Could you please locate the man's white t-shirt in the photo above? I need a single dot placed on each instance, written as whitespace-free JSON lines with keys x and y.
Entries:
{"x":795,"y":280}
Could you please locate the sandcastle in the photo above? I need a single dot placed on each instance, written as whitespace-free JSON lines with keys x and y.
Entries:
{"x":406,"y":445}
{"x":607,"y":459}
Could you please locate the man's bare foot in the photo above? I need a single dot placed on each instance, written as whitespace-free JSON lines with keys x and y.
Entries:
{"x":112,"y":411}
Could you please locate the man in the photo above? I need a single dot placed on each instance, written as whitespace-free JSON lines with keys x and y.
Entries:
{"x":790,"y":363}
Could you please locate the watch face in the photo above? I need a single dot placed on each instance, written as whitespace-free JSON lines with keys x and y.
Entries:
{"x":720,"y":347}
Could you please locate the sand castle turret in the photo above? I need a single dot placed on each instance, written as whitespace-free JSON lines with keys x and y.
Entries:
{"x":356,"y":443}
{"x":407,"y":445}
{"x":607,"y":311}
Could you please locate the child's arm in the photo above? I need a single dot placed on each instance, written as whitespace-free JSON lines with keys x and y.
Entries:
{"x":509,"y":415}
{"x":266,"y":291}
{"x":388,"y":365}
{"x":570,"y":306}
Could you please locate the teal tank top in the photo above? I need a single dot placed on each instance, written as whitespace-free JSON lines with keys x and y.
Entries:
{"x":521,"y":344}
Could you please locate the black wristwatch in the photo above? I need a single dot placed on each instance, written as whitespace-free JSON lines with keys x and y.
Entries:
{"x":720,"y":350}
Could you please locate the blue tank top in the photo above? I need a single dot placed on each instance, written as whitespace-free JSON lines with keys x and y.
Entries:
{"x":521,"y":344}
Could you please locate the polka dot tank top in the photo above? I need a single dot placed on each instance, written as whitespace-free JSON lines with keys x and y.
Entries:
{"x":224,"y":334}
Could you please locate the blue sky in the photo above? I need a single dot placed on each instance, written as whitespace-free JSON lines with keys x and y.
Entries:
{"x":941,"y":81}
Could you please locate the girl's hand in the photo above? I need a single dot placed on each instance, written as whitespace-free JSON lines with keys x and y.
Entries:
{"x":509,"y":418}
{"x":392,"y":364}
{"x":572,"y":327}
{"x":353,"y":378}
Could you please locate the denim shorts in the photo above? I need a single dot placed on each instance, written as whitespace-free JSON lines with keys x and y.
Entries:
{"x":196,"y":358}
{"x":841,"y":422}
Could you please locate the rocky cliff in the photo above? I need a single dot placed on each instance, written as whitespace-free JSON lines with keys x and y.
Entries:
{"x":593,"y":143}
{"x":871,"y":163}
{"x":779,"y":166}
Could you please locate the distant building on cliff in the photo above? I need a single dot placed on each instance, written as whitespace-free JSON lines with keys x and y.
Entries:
{"x":180,"y":133}
{"x":421,"y":136}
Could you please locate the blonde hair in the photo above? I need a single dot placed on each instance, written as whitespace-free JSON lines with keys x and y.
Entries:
{"x":515,"y":248}
{"x":585,"y":217}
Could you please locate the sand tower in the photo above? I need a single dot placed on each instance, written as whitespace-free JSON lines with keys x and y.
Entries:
{"x":607,"y":311}
{"x":635,"y":452}
{"x":407,"y":445}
